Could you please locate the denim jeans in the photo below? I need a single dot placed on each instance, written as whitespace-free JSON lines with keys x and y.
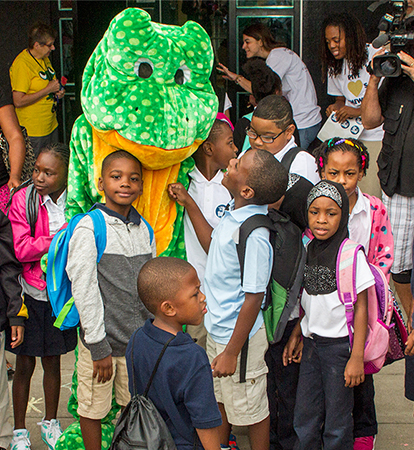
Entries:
{"x":323,"y":411}
{"x":365,"y":419}
{"x":282,"y":383}
{"x":308,"y":135}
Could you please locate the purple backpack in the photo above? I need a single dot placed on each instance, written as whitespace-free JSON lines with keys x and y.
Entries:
{"x":380,"y":306}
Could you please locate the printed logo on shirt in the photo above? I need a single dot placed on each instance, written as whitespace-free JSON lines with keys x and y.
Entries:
{"x":355,"y":87}
{"x":220,"y":211}
{"x":345,"y":124}
{"x":47,"y":75}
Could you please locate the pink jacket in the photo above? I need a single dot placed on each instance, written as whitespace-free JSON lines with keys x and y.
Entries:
{"x":29,"y":250}
{"x":381,"y":245}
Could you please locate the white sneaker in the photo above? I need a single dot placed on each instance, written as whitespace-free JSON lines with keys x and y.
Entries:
{"x":21,"y":440}
{"x":50,"y":432}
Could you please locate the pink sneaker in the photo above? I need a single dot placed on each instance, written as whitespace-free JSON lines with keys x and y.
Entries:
{"x":364,"y":443}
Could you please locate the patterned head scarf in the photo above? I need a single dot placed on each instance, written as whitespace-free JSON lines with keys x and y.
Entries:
{"x":320,"y":269}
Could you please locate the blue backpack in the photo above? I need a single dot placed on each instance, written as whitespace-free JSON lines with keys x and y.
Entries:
{"x":59,"y":287}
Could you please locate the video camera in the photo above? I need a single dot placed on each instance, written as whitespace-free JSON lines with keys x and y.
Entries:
{"x":398,"y":32}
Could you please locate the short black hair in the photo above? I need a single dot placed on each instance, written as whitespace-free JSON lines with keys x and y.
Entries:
{"x":58,"y":149}
{"x":267,"y":177}
{"x":160,"y":280}
{"x":39,"y":32}
{"x":277,"y":109}
{"x":264,"y":81}
{"x":117,"y":155}
{"x":215,"y":132}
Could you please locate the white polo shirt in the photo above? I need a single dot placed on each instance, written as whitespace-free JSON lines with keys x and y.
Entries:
{"x":211,"y":197}
{"x":304,"y":164}
{"x":359,"y":224}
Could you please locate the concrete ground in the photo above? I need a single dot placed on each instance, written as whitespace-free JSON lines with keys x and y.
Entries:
{"x":395,"y":413}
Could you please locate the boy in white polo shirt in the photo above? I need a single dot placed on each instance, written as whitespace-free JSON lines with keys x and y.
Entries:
{"x":272,"y":128}
{"x":211,"y":158}
{"x":234,"y":309}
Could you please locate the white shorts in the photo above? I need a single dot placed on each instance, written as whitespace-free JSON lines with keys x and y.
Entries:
{"x":244,"y":403}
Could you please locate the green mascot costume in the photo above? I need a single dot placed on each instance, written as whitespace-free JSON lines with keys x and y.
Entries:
{"x":146,"y":90}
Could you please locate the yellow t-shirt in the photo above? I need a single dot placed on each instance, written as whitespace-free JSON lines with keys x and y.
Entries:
{"x":27,"y":76}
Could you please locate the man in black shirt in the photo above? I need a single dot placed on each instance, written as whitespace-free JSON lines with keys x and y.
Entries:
{"x":393,"y":106}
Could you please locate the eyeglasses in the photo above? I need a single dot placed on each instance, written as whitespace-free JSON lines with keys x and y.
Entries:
{"x":48,"y":45}
{"x":265,"y":139}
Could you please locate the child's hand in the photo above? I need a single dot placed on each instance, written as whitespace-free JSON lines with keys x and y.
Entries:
{"x":178,"y":193}
{"x":224,"y":365}
{"x":293,"y":350}
{"x":17,"y":334}
{"x":354,"y":372}
{"x":103,"y":368}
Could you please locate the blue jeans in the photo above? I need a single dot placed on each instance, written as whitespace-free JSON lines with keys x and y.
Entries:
{"x":308,"y":135}
{"x":323,"y":411}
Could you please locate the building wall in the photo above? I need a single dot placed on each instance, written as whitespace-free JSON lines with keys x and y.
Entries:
{"x":16,"y":18}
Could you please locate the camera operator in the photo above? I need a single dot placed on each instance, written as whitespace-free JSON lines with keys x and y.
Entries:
{"x":392,"y":104}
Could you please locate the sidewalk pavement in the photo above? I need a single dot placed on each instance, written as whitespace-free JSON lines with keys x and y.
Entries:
{"x":394,"y":412}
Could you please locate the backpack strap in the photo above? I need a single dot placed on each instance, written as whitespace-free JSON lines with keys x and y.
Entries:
{"x":99,"y":226}
{"x":288,"y":158}
{"x":32,"y":207}
{"x":246,"y":228}
{"x":155,"y":367}
{"x":250,"y":224}
{"x":346,"y":280}
{"x":150,"y":230}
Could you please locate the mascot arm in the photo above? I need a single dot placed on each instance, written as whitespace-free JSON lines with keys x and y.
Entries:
{"x":82,"y":192}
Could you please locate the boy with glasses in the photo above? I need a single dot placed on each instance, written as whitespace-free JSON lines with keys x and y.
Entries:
{"x":272,"y":129}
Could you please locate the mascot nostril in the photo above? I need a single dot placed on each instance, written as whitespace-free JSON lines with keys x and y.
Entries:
{"x":145,"y":70}
{"x":179,"y":77}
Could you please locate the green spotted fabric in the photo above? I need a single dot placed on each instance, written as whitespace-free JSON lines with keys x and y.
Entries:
{"x":150,"y":82}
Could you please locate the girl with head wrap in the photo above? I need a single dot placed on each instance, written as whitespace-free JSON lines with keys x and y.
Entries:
{"x":329,"y":370}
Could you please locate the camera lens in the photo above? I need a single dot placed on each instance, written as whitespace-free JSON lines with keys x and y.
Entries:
{"x":388,"y":67}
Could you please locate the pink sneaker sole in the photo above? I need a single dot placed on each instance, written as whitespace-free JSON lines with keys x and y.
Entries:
{"x":364,"y":443}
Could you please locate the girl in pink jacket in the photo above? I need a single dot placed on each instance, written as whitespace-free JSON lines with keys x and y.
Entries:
{"x":346,"y":162}
{"x":36,"y":214}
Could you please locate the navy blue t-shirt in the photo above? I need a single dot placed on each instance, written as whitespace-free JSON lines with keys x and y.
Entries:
{"x":182,"y":389}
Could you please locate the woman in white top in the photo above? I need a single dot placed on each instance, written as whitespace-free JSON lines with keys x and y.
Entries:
{"x":297,"y":84}
{"x":345,"y":56}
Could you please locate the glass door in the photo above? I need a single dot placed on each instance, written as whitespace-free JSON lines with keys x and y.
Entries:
{"x":283,"y":17}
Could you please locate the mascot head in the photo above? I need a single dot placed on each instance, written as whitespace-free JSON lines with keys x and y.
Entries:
{"x":150,"y":82}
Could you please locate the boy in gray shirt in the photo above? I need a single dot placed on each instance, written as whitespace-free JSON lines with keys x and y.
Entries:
{"x":105,"y":293}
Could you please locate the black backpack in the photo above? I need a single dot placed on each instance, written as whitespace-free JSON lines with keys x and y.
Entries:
{"x":283,"y":290}
{"x":140,"y":425}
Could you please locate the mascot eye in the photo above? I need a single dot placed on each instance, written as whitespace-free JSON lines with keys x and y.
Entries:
{"x":183,"y":75}
{"x":143,"y":68}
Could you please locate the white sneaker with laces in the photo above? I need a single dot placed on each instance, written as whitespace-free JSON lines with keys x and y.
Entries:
{"x":21,"y":440}
{"x":50,"y":432}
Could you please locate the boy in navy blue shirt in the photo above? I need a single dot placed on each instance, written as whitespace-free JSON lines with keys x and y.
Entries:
{"x":182,"y":389}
